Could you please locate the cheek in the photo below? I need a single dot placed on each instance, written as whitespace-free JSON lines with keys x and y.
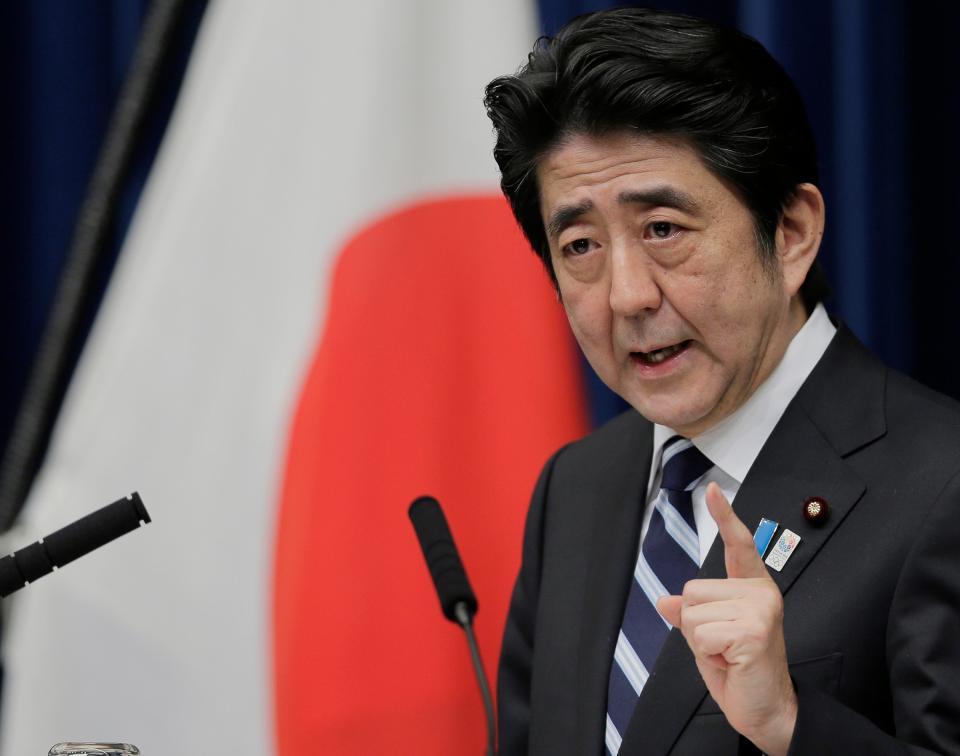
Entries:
{"x":585,"y":323}
{"x":736,"y":315}
{"x":590,"y":319}
{"x":716,"y":304}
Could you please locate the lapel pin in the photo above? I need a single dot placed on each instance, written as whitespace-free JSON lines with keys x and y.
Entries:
{"x":782,"y":550}
{"x":816,"y":510}
{"x":764,"y":534}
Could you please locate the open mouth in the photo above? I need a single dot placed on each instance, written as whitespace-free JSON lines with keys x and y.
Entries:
{"x":659,"y":356}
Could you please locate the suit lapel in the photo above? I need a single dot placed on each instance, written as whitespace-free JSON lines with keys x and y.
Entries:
{"x":791,"y":468}
{"x":803,"y":457}
{"x":613,"y":554}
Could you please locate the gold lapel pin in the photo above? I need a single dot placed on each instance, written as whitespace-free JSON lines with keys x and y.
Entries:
{"x":816,"y":510}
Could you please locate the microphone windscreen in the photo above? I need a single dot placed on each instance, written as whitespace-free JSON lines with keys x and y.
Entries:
{"x":96,"y":529}
{"x":442,"y":557}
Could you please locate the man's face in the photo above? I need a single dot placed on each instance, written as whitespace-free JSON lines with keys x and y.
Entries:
{"x":661,"y":277}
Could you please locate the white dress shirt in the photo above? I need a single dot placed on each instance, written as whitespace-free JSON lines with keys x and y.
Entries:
{"x":734,"y":443}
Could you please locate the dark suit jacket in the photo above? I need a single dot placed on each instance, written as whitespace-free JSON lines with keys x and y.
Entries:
{"x":871,"y":597}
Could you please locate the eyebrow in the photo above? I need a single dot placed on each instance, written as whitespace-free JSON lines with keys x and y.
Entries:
{"x":566,"y":215}
{"x":662,"y":196}
{"x":657,"y":196}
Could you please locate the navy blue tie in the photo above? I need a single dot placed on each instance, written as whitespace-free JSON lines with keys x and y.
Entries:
{"x":669,"y":557}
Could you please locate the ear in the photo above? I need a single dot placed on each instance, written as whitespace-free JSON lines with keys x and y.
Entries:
{"x":799,"y":235}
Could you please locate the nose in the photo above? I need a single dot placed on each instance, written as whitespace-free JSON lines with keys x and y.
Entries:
{"x":633,"y":288}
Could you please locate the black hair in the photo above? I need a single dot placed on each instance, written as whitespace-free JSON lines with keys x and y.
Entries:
{"x":657,"y":73}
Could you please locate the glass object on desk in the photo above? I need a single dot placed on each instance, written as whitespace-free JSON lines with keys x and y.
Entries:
{"x":94,"y":749}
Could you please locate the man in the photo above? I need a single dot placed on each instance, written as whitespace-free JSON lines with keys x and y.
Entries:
{"x":665,"y":172}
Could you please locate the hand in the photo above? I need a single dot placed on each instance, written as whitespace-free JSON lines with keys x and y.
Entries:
{"x":735,"y":629}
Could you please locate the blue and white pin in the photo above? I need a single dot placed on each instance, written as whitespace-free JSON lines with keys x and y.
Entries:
{"x":785,"y":546}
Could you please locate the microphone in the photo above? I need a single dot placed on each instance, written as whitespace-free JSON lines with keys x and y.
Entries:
{"x":457,"y":600}
{"x":442,"y":557}
{"x":71,"y":542}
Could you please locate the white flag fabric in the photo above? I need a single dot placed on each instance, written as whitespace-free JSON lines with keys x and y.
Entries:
{"x":296,"y":122}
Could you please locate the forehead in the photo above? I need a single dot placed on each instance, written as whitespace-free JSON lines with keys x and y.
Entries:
{"x":588,"y":168}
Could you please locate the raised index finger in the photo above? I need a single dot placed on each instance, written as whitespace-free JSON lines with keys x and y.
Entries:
{"x":739,"y":550}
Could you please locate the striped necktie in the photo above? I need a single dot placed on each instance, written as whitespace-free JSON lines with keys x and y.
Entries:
{"x":669,"y":557}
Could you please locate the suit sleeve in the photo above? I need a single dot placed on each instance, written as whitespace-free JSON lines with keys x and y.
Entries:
{"x":516,"y":655}
{"x":923,"y":655}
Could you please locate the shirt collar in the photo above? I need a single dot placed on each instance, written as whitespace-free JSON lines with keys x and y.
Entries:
{"x":734,"y":443}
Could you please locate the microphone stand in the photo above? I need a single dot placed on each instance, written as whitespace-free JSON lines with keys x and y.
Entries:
{"x":466,"y":622}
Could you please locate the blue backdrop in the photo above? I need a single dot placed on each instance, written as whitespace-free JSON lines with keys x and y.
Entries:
{"x":60,"y":70}
{"x":878,"y":78}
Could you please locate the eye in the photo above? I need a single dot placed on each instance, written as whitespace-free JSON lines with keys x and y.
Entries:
{"x":578,"y":247}
{"x":661,"y":229}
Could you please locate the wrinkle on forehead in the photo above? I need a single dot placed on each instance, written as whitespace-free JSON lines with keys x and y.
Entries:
{"x":582,"y":155}
{"x":563,"y":167}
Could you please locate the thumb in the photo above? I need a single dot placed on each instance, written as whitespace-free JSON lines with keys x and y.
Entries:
{"x":669,"y":608}
{"x":739,"y":550}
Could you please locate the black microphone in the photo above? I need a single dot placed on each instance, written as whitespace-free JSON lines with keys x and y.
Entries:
{"x":71,"y":542}
{"x":442,"y":557}
{"x":457,"y":599}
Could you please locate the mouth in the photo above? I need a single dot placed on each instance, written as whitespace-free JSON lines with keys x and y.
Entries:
{"x":661,"y":355}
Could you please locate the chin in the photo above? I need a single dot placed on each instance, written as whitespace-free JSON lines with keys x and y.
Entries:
{"x":683,"y":419}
